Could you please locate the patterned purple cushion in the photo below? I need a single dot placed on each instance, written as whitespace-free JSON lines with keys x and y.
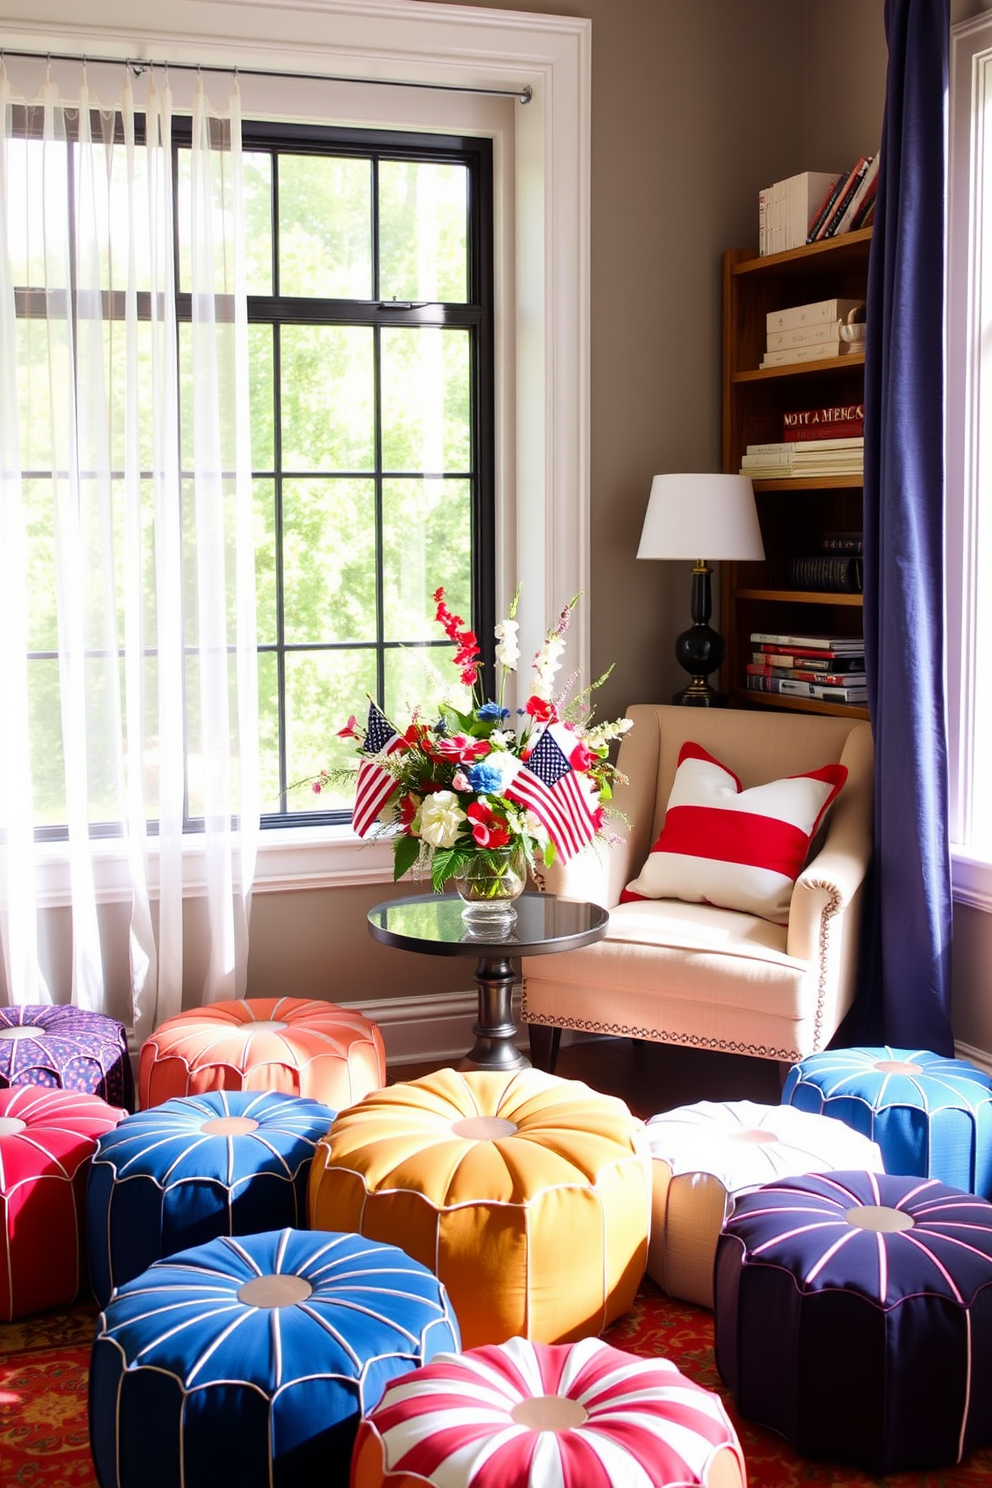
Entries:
{"x":853,"y":1315}
{"x":66,"y":1048}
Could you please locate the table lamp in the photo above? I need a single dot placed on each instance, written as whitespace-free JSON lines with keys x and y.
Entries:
{"x":715,"y":515}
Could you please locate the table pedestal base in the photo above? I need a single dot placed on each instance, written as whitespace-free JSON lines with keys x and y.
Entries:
{"x":494,"y":1047}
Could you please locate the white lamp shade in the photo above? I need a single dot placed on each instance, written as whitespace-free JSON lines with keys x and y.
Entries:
{"x":701,"y":516}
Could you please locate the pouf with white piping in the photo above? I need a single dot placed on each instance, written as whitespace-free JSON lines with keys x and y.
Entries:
{"x":294,"y":1044}
{"x":705,"y":1154}
{"x":529,"y":1195}
{"x":230,"y":1162}
{"x":853,"y":1315}
{"x":527,"y":1415}
{"x":931,"y":1116}
{"x":47,"y":1138}
{"x":65,"y":1047}
{"x":250,"y":1360}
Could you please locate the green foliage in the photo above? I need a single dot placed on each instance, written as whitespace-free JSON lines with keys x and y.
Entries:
{"x":406,"y":851}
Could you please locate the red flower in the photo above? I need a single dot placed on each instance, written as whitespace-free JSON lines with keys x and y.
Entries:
{"x":487,"y":829}
{"x":462,"y":748}
{"x":350,"y":730}
{"x":408,"y":810}
{"x":540,"y":709}
{"x":581,"y":757}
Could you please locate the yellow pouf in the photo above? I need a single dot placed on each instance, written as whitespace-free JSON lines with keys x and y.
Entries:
{"x":528,"y":1196}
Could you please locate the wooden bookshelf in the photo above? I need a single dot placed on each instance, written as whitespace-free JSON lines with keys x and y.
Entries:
{"x":794,"y":513}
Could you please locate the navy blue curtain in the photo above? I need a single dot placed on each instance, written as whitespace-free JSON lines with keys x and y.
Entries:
{"x":905,"y":993}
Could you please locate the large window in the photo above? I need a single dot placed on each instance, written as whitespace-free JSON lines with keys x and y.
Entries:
{"x":969,"y":460}
{"x":370,"y":310}
{"x":368,"y":260}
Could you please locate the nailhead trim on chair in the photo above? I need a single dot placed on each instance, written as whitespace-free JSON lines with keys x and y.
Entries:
{"x":659,"y":1035}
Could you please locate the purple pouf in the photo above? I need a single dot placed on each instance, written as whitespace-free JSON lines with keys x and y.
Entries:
{"x":853,"y":1315}
{"x":66,"y":1048}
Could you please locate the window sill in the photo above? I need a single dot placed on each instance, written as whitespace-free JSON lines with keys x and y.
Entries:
{"x":971,"y":878}
{"x":289,"y":858}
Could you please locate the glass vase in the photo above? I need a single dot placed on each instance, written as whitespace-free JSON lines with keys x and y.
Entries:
{"x":489,"y":883}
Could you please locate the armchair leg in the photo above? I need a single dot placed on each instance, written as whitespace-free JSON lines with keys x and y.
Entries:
{"x":544,"y":1044}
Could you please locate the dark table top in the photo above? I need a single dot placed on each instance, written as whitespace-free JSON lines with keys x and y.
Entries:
{"x":433,"y":923}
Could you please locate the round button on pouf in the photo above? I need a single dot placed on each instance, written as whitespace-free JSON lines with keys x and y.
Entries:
{"x":296,"y":1045}
{"x":250,"y":1360}
{"x":47,"y":1138}
{"x":66,"y":1048}
{"x":231,"y":1162}
{"x":853,"y":1315}
{"x":931,"y":1116}
{"x":526,"y":1415}
{"x":529,"y":1195}
{"x":705,"y":1154}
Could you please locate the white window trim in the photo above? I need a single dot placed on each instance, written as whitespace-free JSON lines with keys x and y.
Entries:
{"x":542,"y":269}
{"x":969,"y":208}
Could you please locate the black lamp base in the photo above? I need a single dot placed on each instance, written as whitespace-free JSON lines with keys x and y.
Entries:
{"x":700,"y":649}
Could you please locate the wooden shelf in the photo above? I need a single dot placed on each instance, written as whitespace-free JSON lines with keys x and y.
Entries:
{"x":744,"y":697}
{"x":799,"y":596}
{"x":794,"y":512}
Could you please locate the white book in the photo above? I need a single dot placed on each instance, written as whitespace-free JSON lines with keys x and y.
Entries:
{"x":853,"y":442}
{"x":806,"y":192}
{"x":808,"y":335}
{"x":820,"y":353}
{"x":812,"y":314}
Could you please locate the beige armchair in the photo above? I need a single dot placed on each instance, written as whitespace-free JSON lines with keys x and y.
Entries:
{"x":691,"y":973}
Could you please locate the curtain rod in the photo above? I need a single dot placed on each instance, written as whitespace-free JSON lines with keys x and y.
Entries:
{"x":141,"y":65}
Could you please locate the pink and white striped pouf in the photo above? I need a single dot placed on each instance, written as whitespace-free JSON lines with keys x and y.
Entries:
{"x":526,"y":1415}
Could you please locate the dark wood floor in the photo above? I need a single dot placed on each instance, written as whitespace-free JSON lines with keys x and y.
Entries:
{"x":655,"y":1077}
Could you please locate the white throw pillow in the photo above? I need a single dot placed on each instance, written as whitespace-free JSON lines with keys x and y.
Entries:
{"x":739,"y":849}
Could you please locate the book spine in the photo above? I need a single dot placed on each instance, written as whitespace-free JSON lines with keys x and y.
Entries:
{"x":837,"y":413}
{"x":843,"y":542}
{"x":850,"y":211}
{"x":835,"y":572}
{"x":827,"y":201}
{"x":809,"y":661}
{"x":792,"y":687}
{"x":820,"y":353}
{"x":843,"y":645}
{"x":806,"y":433}
{"x":827,"y":227}
{"x":809,"y":335}
{"x":804,"y":674}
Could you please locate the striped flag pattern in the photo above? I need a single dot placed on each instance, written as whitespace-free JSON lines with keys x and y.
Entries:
{"x":549,"y":787}
{"x":374,"y":785}
{"x":473,"y":1421}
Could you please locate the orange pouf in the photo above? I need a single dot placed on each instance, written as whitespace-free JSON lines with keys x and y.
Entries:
{"x":528,"y":1196}
{"x":292,"y":1044}
{"x":47,"y":1139}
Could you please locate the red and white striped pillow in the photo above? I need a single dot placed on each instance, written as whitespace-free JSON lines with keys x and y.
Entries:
{"x":739,"y":849}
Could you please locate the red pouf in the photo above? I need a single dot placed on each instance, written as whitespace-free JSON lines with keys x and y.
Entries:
{"x":47,"y":1138}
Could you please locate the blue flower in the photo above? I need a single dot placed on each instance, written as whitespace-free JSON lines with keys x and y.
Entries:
{"x":485,"y":778}
{"x":492,"y":710}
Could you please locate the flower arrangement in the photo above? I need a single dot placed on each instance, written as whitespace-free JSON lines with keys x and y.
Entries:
{"x":468,"y":790}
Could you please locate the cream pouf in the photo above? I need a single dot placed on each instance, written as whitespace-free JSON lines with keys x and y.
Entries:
{"x":529,"y":1196}
{"x":297,"y":1045}
{"x":529,"y":1415}
{"x":703,"y":1155}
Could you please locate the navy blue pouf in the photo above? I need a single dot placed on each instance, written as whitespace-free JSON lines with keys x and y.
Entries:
{"x":931,"y":1116}
{"x":182,"y":1173}
{"x":249,"y":1362}
{"x":853,"y":1315}
{"x":63,"y":1047}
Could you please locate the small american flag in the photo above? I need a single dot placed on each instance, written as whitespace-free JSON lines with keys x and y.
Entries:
{"x":549,"y":786}
{"x":374,"y":785}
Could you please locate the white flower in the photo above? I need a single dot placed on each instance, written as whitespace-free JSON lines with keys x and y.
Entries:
{"x":546,"y":664}
{"x":502,"y":739}
{"x":528,"y":825}
{"x":440,"y":818}
{"x":507,"y":650}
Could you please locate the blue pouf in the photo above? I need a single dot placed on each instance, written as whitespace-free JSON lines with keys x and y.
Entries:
{"x":225,"y":1163}
{"x":853,"y":1315}
{"x":248,"y":1362}
{"x":930,"y":1116}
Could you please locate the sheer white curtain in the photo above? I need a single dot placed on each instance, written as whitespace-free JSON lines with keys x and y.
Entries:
{"x":128,"y":673}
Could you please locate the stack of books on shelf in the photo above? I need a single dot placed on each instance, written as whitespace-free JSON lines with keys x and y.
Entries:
{"x":813,"y":332}
{"x":810,"y":457}
{"x":835,"y":569}
{"x":829,"y":668}
{"x":848,"y":204}
{"x":787,"y":209}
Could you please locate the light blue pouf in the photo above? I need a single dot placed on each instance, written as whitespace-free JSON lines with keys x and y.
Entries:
{"x":229,"y":1162}
{"x":931,"y":1116}
{"x":249,"y":1362}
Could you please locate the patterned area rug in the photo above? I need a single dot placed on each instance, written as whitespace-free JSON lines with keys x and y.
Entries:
{"x":44,"y":1441}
